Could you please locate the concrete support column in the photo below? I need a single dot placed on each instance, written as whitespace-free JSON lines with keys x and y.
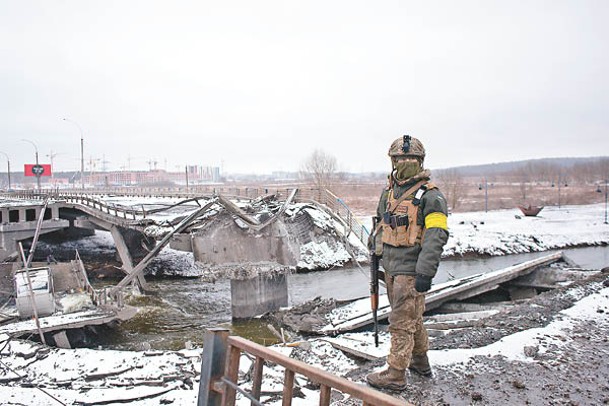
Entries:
{"x":125,"y":254}
{"x":257,"y":289}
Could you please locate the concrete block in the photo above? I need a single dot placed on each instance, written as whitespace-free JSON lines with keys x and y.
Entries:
{"x":260,"y":294}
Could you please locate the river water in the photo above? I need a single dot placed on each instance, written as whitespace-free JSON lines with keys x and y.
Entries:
{"x":178,"y":310}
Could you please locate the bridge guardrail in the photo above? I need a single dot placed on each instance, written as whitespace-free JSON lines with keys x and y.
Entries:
{"x":87,"y":198}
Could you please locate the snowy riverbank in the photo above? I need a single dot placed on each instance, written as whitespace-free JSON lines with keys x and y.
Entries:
{"x":503,"y":232}
{"x":469,"y":370}
{"x":517,"y":357}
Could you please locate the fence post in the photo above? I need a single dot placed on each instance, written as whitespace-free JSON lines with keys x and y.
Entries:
{"x":231,"y":372}
{"x":257,"y":377}
{"x":212,"y":366}
{"x":288,"y":387}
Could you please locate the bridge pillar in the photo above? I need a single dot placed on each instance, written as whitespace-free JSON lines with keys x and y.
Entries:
{"x":257,"y":289}
{"x":126,"y":243}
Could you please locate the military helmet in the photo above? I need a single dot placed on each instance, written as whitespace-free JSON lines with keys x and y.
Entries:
{"x":407,"y":146}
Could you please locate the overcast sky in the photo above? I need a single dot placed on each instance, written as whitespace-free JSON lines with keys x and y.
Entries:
{"x":256,"y":86}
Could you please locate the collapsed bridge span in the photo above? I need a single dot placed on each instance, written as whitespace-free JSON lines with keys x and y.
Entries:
{"x":303,"y":228}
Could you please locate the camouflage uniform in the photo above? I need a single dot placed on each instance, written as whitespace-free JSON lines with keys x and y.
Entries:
{"x":402,"y":264}
{"x":410,"y":266}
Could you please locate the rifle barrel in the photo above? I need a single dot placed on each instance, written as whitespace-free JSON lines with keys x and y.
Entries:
{"x":374,"y":294}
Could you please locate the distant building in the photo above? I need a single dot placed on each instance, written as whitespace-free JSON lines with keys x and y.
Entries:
{"x":196,"y":174}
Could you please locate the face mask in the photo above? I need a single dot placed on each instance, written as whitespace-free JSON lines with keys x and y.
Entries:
{"x":405,"y":170}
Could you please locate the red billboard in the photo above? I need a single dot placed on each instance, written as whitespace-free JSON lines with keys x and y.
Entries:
{"x":37,"y":169}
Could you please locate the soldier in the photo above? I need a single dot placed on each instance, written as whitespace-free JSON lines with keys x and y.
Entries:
{"x":413,"y":231}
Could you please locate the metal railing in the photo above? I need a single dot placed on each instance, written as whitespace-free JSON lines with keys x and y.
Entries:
{"x":88,"y":198}
{"x":342,"y":210}
{"x":220,"y":370}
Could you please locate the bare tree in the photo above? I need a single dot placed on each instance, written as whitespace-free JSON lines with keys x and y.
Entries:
{"x":524,"y":176}
{"x":321,"y":168}
{"x":601,"y":169}
{"x":452,"y":185}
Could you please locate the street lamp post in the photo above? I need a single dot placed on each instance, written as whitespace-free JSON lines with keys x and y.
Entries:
{"x":52,"y":156}
{"x":485,"y":194}
{"x":600,"y":191}
{"x":186,"y":172}
{"x":8,"y":168}
{"x":35,"y":149}
{"x":82,"y":154}
{"x":559,"y":183}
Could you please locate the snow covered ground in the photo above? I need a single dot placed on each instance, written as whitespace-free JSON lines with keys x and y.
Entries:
{"x":508,"y":231}
{"x":34,"y":375}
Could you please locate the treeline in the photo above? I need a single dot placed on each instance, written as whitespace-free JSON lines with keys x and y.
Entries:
{"x":524,"y":182}
{"x":587,"y":170}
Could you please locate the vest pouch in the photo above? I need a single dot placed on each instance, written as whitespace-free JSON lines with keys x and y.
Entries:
{"x":395,"y":220}
{"x":387,"y":218}
{"x":397,"y":237}
{"x":414,"y":236}
{"x":401,"y":220}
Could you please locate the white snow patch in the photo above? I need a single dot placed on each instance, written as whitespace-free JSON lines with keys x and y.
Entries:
{"x":315,"y":255}
{"x":75,"y":302}
{"x":502,"y":232}
{"x":555,"y":334}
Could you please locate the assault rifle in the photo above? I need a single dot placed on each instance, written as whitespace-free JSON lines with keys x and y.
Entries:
{"x":374,"y":294}
{"x":374,"y":281}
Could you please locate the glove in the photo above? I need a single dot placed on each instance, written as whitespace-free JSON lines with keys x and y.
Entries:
{"x":422,"y":283}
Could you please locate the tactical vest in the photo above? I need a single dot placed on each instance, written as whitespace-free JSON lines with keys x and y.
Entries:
{"x":399,"y":222}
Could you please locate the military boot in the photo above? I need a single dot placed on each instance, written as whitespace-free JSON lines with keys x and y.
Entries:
{"x":390,"y":378}
{"x":420,"y":365}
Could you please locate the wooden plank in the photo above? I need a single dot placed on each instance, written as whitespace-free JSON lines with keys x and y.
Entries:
{"x":486,"y":282}
{"x":358,"y":353}
{"x":455,"y":290}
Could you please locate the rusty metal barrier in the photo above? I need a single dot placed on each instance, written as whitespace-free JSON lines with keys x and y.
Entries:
{"x":220,"y":370}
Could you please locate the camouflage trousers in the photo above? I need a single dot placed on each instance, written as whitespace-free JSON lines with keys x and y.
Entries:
{"x":408,"y":335}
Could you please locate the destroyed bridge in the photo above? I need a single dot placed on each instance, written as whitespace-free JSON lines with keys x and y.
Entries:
{"x":219,"y":225}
